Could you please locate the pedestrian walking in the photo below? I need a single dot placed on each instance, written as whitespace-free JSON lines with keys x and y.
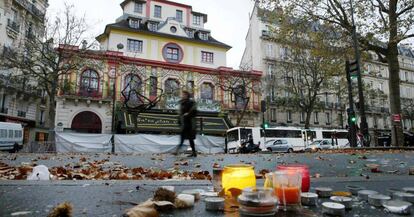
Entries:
{"x":187,"y":121}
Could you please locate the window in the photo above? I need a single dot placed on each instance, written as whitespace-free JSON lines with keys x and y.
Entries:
{"x":132,"y":90}
{"x":270,"y":50}
{"x":157,"y":11}
{"x":134,"y":45}
{"x":154,"y":86}
{"x":89,"y":82}
{"x":138,"y":8}
{"x":190,"y":33}
{"x":172,"y":87}
{"x":207,"y":57}
{"x":179,"y":16}
{"x":10,"y":133}
{"x":207,"y":91}
{"x":17,"y":133}
{"x":240,"y":96}
{"x":134,"y":23}
{"x":273,"y":115}
{"x":173,"y":29}
{"x":328,"y":118}
{"x":316,"y":117}
{"x":385,"y":122}
{"x":3,"y":133}
{"x":153,"y":26}
{"x":302,"y":117}
{"x":203,"y":36}
{"x":196,"y":20}
{"x":289,"y":117}
{"x":172,"y":53}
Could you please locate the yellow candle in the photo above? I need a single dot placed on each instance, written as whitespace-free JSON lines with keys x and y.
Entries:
{"x":238,"y":176}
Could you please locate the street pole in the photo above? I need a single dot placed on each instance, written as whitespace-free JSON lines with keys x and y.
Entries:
{"x":113,"y":114}
{"x":363,"y":124}
{"x":351,"y":125}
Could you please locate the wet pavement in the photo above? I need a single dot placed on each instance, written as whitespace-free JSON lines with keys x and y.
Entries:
{"x":324,"y":165}
{"x":111,"y":198}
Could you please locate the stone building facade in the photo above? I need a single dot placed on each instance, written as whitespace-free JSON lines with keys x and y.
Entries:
{"x":20,"y":99}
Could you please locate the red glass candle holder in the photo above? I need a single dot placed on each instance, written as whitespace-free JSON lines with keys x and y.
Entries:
{"x":303,"y":169}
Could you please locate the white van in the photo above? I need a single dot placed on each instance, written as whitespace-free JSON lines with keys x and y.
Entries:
{"x":11,"y":134}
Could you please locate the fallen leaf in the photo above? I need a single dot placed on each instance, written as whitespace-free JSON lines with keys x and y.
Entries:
{"x":61,"y":210}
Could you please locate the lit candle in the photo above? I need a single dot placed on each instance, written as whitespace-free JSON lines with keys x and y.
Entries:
{"x":288,"y":195}
{"x":238,"y":176}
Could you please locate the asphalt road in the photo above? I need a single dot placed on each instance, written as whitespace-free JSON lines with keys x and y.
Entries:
{"x":326,"y":165}
{"x":110,"y":198}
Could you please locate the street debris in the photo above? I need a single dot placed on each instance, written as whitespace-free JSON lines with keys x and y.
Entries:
{"x":411,"y":171}
{"x":163,"y":200}
{"x":40,"y":172}
{"x":21,"y":213}
{"x":96,"y":170}
{"x":61,"y":210}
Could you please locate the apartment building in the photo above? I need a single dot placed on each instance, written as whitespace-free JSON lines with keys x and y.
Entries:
{"x":266,"y":55}
{"x":20,"y":99}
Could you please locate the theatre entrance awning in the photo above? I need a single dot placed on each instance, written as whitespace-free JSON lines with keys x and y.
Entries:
{"x":158,"y":121}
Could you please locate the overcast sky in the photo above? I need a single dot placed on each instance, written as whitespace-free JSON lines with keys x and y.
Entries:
{"x":228,"y":20}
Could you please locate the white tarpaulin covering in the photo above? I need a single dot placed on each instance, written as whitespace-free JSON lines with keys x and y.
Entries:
{"x":147,"y":143}
{"x":79,"y":142}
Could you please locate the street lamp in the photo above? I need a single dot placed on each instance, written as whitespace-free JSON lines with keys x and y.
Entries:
{"x":364,"y":124}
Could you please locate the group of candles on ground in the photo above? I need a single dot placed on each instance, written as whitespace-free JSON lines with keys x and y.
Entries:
{"x":288,"y":188}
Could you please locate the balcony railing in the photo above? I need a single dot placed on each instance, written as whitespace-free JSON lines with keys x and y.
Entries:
{"x":89,"y":93}
{"x":31,"y":8}
{"x":13,"y":25}
{"x":19,"y":85}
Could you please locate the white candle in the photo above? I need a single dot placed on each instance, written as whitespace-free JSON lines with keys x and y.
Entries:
{"x":309,"y":199}
{"x":377,"y":199}
{"x":398,"y":207}
{"x":335,"y":209}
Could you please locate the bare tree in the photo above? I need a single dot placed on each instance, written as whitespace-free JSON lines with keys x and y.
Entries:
{"x":47,"y":58}
{"x":381,"y":26}
{"x":241,"y":85}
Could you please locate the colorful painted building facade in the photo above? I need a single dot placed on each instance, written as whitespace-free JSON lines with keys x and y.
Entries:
{"x":156,"y":48}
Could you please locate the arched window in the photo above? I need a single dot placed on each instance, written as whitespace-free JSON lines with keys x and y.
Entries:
{"x":172,"y":87}
{"x":132,"y":88}
{"x":89,"y":82}
{"x":240,"y":96}
{"x":207,"y":91}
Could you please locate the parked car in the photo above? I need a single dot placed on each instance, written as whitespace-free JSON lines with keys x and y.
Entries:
{"x":279,"y":145}
{"x":323,"y":144}
{"x":409,"y":138}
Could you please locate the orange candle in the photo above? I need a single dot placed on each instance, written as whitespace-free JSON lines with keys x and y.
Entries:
{"x":288,"y":195}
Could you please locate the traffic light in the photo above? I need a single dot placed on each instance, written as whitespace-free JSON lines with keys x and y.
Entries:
{"x":353,"y":69}
{"x":265,"y":125}
{"x":352,"y":119}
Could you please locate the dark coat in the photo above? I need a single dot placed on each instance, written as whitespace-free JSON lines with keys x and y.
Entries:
{"x":188,"y":122}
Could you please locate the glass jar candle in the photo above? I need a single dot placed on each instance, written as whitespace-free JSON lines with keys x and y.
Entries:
{"x":237,"y":176}
{"x":287,"y":187}
{"x":303,"y":170}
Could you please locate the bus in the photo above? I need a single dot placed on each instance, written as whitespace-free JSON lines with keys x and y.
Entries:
{"x":299,"y":138}
{"x":11,"y":136}
{"x":238,"y":135}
